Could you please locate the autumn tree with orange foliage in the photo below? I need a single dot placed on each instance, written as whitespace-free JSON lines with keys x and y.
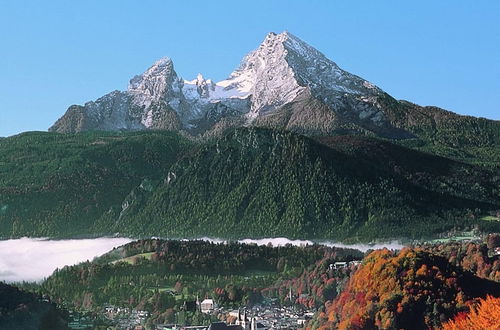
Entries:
{"x":483,"y":316}
{"x":412,"y":289}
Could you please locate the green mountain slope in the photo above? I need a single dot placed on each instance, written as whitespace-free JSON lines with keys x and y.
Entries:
{"x":60,"y":185}
{"x":251,"y":182}
{"x":445,"y":133}
{"x":257,"y":182}
{"x":423,"y":169}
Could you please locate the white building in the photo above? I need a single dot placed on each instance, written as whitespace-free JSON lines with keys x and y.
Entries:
{"x":207,"y":306}
{"x":338,"y":265}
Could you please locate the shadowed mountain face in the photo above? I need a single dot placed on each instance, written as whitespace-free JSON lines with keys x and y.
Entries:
{"x":251,"y":182}
{"x":284,"y":83}
{"x":275,"y":183}
{"x":23,"y":310}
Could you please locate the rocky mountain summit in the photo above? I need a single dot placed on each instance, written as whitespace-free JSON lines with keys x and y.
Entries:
{"x":284,"y":83}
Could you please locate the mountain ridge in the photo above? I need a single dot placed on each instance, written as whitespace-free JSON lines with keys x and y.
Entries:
{"x":283,"y":83}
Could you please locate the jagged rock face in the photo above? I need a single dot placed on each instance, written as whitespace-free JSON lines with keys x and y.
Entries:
{"x":283,"y":83}
{"x":113,"y":111}
{"x":291,"y":76}
{"x":284,"y":66}
{"x":155,"y":84}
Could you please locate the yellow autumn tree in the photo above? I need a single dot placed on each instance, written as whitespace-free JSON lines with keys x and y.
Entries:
{"x":483,"y":316}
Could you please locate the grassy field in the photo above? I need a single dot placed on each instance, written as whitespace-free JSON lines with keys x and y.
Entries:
{"x":490,"y":218}
{"x":460,"y":236}
{"x":133,"y":259}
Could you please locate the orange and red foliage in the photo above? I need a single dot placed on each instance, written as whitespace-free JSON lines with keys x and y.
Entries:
{"x":411,"y":289}
{"x":483,"y":316}
{"x":317,"y":283}
{"x":471,"y":256}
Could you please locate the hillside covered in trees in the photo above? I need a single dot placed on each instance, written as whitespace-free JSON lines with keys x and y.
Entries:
{"x":23,"y":310}
{"x":162,"y":276}
{"x":62,"y":185}
{"x":415,"y":288}
{"x":321,"y":193}
{"x":483,"y":315}
{"x":250,"y":182}
{"x":418,"y":287}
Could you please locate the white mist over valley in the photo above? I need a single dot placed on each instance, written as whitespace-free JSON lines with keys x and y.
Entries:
{"x":281,"y":241}
{"x":33,"y":259}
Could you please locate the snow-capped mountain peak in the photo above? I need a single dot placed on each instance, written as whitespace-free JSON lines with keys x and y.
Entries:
{"x":280,"y":71}
{"x":284,"y":66}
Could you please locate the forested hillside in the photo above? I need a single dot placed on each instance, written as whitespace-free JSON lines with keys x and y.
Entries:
{"x":248,"y":183}
{"x":412,"y":289}
{"x":62,"y":184}
{"x":160,"y":276}
{"x":271,"y":183}
{"x":448,"y":134}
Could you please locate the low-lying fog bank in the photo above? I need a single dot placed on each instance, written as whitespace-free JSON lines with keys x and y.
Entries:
{"x":280,"y":241}
{"x":33,"y":259}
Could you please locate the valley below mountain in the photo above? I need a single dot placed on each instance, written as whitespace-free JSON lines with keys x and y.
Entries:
{"x":153,"y":282}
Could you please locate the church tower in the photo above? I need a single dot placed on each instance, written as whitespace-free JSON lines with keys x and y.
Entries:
{"x":243,"y":320}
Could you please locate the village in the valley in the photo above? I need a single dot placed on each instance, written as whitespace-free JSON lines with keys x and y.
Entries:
{"x":268,"y":315}
{"x":259,"y":317}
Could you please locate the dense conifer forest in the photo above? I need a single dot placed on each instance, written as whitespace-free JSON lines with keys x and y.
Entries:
{"x":250,"y":182}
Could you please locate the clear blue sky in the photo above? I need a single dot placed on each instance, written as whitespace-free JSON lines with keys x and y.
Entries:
{"x":57,"y":53}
